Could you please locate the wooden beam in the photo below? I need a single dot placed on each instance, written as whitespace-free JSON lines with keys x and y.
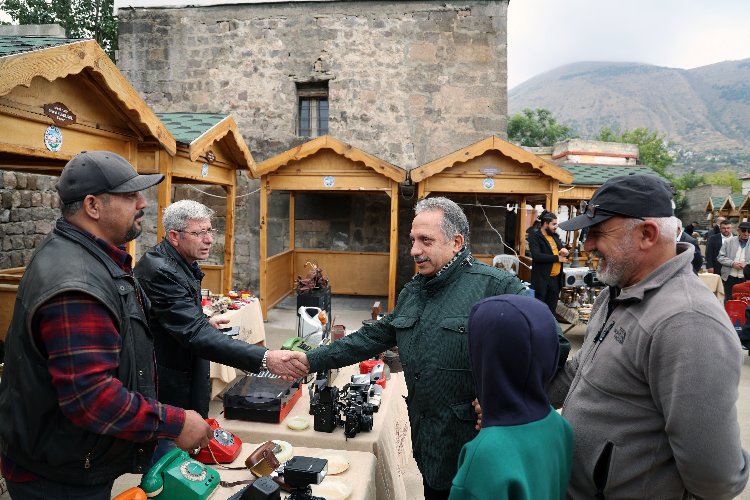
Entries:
{"x":229,"y":238}
{"x":307,"y":182}
{"x":393,"y":248}
{"x":164,"y":196}
{"x":263,"y":225}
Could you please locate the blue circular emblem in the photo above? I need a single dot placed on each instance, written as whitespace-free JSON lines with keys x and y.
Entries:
{"x":329,"y":181}
{"x":488,"y":183}
{"x":204,"y":170}
{"x":53,"y":138}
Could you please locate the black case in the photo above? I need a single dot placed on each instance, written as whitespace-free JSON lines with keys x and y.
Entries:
{"x":259,"y":398}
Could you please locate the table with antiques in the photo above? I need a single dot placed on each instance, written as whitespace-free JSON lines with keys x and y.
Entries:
{"x":358,"y":476}
{"x":249,"y":319}
{"x":575,"y":305}
{"x":389,"y":440}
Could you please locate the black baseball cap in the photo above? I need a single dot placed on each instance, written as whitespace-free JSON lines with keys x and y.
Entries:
{"x":635,"y":196}
{"x":98,"y":172}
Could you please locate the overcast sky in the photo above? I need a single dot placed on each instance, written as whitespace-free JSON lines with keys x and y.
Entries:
{"x":545,"y":34}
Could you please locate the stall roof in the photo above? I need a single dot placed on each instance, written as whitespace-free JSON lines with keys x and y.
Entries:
{"x":714,"y":203}
{"x":491,"y":143}
{"x":198,"y":131}
{"x":23,"y":58}
{"x":327,"y":142}
{"x":734,"y":200}
{"x":596,"y":175}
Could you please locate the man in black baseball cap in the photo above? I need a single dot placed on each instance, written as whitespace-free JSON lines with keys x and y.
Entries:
{"x":105,"y":177}
{"x":641,"y":384}
{"x":80,"y":364}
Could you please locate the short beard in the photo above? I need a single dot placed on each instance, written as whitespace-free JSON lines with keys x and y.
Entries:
{"x":615,"y":272}
{"x":132,"y":233}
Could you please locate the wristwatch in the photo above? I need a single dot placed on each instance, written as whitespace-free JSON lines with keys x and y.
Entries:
{"x":264,"y":363}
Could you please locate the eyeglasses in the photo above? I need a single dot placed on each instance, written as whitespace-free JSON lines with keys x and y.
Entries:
{"x":199,"y":234}
{"x":591,"y":211}
{"x":743,"y":230}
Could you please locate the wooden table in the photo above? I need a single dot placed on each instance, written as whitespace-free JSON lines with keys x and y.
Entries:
{"x":360,"y":475}
{"x":250,"y":320}
{"x":389,"y":440}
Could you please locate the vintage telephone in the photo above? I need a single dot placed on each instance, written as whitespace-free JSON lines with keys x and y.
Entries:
{"x":223,"y":448}
{"x":176,"y":476}
{"x":296,"y":344}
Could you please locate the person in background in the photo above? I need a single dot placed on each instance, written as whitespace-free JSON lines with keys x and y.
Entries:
{"x":685,"y":237}
{"x":658,"y":373}
{"x":524,"y":449}
{"x":733,"y":256}
{"x":548,"y":254}
{"x":184,"y":338}
{"x":428,"y":324}
{"x":714,"y":242}
{"x":716,"y":229}
{"x":78,"y":395}
{"x":691,"y":227}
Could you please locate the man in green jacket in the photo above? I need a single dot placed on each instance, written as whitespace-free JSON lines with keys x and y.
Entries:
{"x":429,"y":326}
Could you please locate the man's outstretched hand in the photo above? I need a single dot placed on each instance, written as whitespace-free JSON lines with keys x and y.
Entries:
{"x":289,"y":365}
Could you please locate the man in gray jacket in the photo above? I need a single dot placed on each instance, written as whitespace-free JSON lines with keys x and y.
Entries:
{"x":652,"y":392}
{"x":733,"y":256}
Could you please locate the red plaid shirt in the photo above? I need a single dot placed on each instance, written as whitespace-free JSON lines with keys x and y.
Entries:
{"x":77,"y":334}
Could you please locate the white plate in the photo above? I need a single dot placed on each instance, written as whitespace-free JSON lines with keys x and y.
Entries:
{"x":338,"y":461}
{"x":333,"y":488}
{"x":298,"y":423}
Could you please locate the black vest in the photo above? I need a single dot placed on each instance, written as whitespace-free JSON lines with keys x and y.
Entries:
{"x":33,"y":431}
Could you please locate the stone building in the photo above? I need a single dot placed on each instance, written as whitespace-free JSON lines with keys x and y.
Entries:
{"x":406,"y":81}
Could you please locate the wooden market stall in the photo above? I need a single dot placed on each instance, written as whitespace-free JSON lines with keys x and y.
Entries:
{"x":59,"y":97}
{"x":494,"y":166}
{"x":210,"y":150}
{"x":713,"y":205}
{"x":730,"y":208}
{"x":744,"y":208}
{"x":326,"y":164}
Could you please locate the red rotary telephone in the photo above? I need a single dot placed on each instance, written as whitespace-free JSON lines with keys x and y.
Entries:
{"x":223,"y":448}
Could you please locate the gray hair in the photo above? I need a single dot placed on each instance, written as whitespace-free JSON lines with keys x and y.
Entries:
{"x":668,"y":227}
{"x":177,"y":215}
{"x":454,"y":219}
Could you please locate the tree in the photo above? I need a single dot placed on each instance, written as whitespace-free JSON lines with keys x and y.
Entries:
{"x":727,"y":176}
{"x":79,"y":18}
{"x":537,"y":128}
{"x":652,"y":147}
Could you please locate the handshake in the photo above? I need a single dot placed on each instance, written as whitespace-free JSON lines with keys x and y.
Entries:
{"x":289,"y":365}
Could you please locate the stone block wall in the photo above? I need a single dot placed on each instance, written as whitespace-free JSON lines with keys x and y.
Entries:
{"x":408,"y":82}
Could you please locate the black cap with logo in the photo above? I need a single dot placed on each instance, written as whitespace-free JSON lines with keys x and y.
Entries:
{"x":635,"y":196}
{"x":98,"y":172}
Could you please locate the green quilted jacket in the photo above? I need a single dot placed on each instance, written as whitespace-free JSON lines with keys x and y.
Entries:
{"x":429,"y":326}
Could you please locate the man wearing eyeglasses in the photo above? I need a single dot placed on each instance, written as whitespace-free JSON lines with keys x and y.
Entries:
{"x":733,"y":256}
{"x":652,"y":392}
{"x":186,"y":340}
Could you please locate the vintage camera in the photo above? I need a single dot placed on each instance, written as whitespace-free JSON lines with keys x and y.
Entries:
{"x":591,"y":280}
{"x":326,"y":409}
{"x":300,"y":473}
{"x":358,"y":418}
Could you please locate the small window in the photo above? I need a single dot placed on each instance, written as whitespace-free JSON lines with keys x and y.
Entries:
{"x":312,"y":112}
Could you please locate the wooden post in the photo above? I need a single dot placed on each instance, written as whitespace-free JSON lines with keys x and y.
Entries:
{"x":230,"y":190}
{"x":393,"y":246}
{"x":164,"y":162}
{"x":292,"y":235}
{"x":263,"y":225}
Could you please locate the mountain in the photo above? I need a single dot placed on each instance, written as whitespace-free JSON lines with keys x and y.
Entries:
{"x":704,"y":112}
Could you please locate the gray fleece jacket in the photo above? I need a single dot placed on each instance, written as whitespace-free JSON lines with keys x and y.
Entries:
{"x":652,"y":393}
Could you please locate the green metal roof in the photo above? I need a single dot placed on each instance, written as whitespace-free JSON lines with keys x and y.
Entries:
{"x":737,"y":199}
{"x":596,"y":175}
{"x":717,"y":201}
{"x":10,"y":45}
{"x":187,"y":127}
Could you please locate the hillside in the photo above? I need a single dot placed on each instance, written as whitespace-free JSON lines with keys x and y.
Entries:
{"x":704,"y":112}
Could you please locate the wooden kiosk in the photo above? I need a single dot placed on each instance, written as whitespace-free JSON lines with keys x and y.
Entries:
{"x":731,"y":207}
{"x":497,"y":167}
{"x":59,"y":97}
{"x":210,"y":149}
{"x":326,"y":164}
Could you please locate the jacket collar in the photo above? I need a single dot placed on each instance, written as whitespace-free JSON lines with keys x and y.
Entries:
{"x":448,"y":273}
{"x":90,"y":244}
{"x":190,"y":269}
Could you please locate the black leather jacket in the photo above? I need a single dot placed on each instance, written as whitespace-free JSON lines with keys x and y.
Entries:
{"x":184,"y":340}
{"x":34,"y":433}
